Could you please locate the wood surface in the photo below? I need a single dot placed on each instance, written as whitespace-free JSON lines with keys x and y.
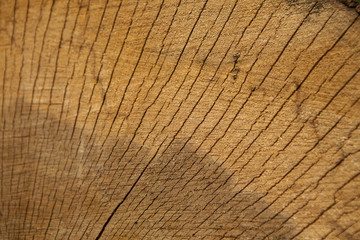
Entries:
{"x":179,"y":119}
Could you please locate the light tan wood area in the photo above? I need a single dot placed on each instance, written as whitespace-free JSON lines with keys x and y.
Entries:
{"x":179,"y":119}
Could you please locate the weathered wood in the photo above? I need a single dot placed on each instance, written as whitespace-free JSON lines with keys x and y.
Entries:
{"x":179,"y":119}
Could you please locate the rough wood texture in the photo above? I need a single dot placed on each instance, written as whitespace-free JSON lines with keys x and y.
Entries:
{"x":216,"y":119}
{"x":352,"y":3}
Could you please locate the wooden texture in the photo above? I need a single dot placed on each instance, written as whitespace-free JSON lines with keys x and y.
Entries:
{"x":189,"y":119}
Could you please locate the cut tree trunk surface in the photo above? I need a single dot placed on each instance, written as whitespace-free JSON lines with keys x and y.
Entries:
{"x":352,"y":3}
{"x":176,"y":119}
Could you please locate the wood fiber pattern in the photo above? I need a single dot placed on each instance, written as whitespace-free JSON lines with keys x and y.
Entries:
{"x":166,"y":119}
